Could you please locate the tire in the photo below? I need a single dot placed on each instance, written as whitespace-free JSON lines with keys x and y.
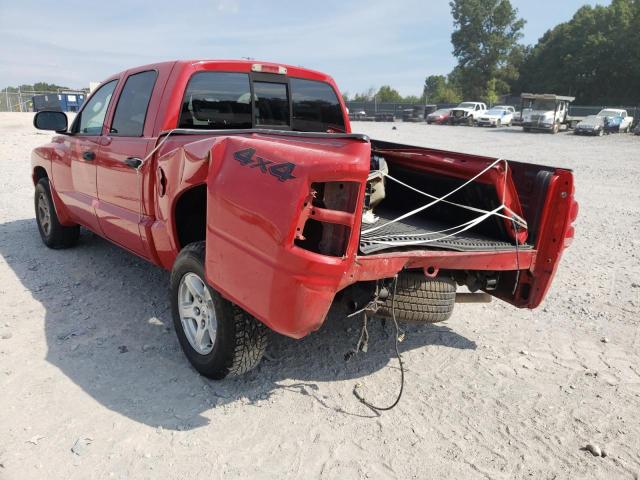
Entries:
{"x":470,"y":121}
{"x":600,"y":133}
{"x":53,"y":234}
{"x":526,"y":129}
{"x":555,"y":129}
{"x":238,"y":341}
{"x":420,"y":299}
{"x":498,"y":124}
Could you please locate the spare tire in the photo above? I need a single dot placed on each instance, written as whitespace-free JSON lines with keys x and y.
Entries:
{"x":419,"y":299}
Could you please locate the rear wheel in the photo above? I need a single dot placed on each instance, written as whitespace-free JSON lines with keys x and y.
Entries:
{"x":218,"y":337}
{"x":53,"y":234}
{"x":420,"y":299}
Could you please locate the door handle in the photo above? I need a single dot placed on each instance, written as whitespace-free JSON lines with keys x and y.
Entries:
{"x":134,"y":162}
{"x":89,"y":156}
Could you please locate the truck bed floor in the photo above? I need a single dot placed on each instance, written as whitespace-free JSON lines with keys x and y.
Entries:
{"x":468,"y":241}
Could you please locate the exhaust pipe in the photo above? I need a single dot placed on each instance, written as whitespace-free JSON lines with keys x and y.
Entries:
{"x":473,"y":298}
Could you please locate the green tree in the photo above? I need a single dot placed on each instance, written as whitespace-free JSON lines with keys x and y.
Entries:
{"x":365,"y":96}
{"x":485,"y":37}
{"x":413,"y":99}
{"x":595,"y":56}
{"x":388,"y":94}
{"x":441,"y":89}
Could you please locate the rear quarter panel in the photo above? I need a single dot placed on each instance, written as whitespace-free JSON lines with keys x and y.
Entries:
{"x":252,"y":217}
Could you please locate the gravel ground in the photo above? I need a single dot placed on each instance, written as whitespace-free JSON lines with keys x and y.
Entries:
{"x":94,"y":384}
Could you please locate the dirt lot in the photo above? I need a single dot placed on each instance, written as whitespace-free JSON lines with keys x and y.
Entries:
{"x":89,"y":359}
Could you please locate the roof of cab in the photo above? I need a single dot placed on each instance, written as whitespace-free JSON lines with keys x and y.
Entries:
{"x":235,"y":66}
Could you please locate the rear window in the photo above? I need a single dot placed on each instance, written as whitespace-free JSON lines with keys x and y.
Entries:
{"x":217,"y":100}
{"x":315,"y":106}
{"x":272,"y":103}
{"x":221,"y":100}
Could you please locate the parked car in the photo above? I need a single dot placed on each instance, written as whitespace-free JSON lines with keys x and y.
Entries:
{"x":622,"y":119}
{"x":500,"y":115}
{"x":467,"y":113}
{"x":357,"y":115}
{"x":233,"y":176}
{"x":385,"y":117}
{"x":414,"y":114}
{"x":439,"y":116}
{"x":591,"y":125}
{"x":546,"y":112}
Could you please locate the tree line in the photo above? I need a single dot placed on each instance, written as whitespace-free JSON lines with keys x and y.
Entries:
{"x":36,"y":87}
{"x":594,"y":57}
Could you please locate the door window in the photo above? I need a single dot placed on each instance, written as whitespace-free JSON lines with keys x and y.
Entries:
{"x":91,"y":119}
{"x":272,"y":103}
{"x":131,"y":110}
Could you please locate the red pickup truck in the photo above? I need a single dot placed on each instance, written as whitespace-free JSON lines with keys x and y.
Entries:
{"x":245,"y":181}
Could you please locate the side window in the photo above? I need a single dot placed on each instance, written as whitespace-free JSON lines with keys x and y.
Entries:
{"x":315,"y":106}
{"x":90,"y":120}
{"x":216,"y":100}
{"x":131,"y":110}
{"x":272,"y":103}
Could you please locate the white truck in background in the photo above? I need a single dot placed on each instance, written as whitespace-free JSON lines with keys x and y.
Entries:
{"x":625,"y":120}
{"x":467,"y":113}
{"x":544,"y":111}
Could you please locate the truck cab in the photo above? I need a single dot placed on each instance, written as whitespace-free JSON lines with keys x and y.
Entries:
{"x":467,"y":113}
{"x":545,"y":112}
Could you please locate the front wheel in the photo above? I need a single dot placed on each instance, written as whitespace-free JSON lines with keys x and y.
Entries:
{"x":556,"y":128}
{"x":218,"y":338}
{"x":53,"y":234}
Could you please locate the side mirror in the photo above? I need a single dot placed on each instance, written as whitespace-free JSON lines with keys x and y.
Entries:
{"x":50,"y":120}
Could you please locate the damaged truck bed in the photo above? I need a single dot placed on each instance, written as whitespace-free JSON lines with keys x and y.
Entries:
{"x":244,"y":180}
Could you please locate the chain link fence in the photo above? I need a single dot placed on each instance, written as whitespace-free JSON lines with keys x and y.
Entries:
{"x":22,"y":100}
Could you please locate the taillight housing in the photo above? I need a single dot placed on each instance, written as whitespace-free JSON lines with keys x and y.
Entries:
{"x":327,"y":218}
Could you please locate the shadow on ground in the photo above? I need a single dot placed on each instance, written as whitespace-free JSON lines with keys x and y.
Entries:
{"x":108,"y":328}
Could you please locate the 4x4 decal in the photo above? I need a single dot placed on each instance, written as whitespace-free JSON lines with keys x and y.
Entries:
{"x":282,"y":171}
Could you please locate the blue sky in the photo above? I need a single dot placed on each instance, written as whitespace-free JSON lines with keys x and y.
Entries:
{"x":361,"y":44}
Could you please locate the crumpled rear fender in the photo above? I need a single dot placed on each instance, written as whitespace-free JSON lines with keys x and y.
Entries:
{"x":258,"y":190}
